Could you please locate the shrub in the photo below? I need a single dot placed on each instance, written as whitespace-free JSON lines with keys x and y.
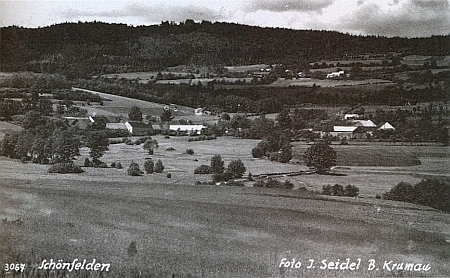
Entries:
{"x":159,"y":167}
{"x":190,"y":151}
{"x":259,"y":183}
{"x":203,"y":170}
{"x":250,"y":176}
{"x":326,"y":190}
{"x":274,"y":183}
{"x":170,"y":149}
{"x":217,"y":164}
{"x":351,"y":191}
{"x":234,"y":183}
{"x":257,"y":152}
{"x":119,"y":165}
{"x":237,"y":168}
{"x":148,"y":166}
{"x":403,"y":192}
{"x":88,"y":163}
{"x":226,"y":176}
{"x":167,"y":137}
{"x":338,"y":190}
{"x":431,"y":192}
{"x":134,"y":170}
{"x":65,"y":168}
{"x":288,"y":185}
{"x":101,"y":165}
{"x":113,"y":165}
{"x":169,"y":175}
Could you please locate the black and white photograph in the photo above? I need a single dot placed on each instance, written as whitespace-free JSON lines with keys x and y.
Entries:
{"x":239,"y":138}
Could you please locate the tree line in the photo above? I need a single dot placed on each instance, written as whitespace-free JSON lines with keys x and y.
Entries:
{"x":89,"y":48}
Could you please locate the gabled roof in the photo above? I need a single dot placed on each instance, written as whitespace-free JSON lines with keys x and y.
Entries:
{"x":365,"y":123}
{"x":137,"y":124}
{"x":344,"y":128}
{"x":116,"y":126}
{"x":386,"y":126}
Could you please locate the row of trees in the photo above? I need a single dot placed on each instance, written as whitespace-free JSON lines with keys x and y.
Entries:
{"x":47,"y":140}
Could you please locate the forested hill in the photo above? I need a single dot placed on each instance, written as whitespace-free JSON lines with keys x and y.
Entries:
{"x":80,"y":49}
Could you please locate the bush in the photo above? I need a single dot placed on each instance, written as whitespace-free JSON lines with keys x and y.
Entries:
{"x":257,"y":152}
{"x":65,"y":168}
{"x":288,"y":185}
{"x":403,"y":192}
{"x":113,"y":165}
{"x":237,"y":168}
{"x":234,"y":183}
{"x":169,"y":175}
{"x":274,"y":183}
{"x":159,"y":167}
{"x":217,"y":164}
{"x":170,"y":149}
{"x":351,"y":191}
{"x":134,"y":170}
{"x":203,"y":170}
{"x":338,"y":190}
{"x":326,"y":190}
{"x":88,"y":163}
{"x":149,"y":166}
{"x":431,"y":192}
{"x":226,"y":176}
{"x":190,"y":151}
{"x":101,"y":165}
{"x":119,"y":166}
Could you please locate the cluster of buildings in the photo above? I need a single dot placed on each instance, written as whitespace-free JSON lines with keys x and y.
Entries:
{"x":137,"y":128}
{"x":359,"y":129}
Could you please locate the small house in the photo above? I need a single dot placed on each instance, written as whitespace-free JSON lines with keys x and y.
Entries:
{"x":138,"y":128}
{"x":189,"y":129}
{"x":343,"y":131}
{"x":386,"y":126}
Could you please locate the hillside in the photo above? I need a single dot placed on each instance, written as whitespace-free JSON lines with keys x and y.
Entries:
{"x":82,"y":49}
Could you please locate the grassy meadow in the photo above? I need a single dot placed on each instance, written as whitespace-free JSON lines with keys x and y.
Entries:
{"x":154,"y":226}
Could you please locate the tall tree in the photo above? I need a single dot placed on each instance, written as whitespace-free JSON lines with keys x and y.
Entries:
{"x":97,"y":142}
{"x":320,"y":156}
{"x":135,"y":114}
{"x":217,"y":164}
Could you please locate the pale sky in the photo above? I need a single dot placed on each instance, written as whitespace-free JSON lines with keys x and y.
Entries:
{"x":404,"y":18}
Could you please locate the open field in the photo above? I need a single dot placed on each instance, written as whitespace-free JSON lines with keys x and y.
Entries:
{"x":6,"y":127}
{"x":257,"y":67}
{"x":309,"y":82}
{"x":182,"y":230}
{"x":120,"y":106}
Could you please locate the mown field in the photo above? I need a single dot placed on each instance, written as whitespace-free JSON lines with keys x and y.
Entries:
{"x":120,"y":106}
{"x":183,"y":230}
{"x":154,"y":226}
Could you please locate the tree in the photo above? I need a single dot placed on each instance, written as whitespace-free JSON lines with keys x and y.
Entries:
{"x":32,"y":119}
{"x":135,"y":114}
{"x":149,"y":166}
{"x":65,"y":145}
{"x":217,"y":164}
{"x":166,"y":116}
{"x":150,"y":144}
{"x":237,"y":168}
{"x":320,"y":156}
{"x":134,"y":170}
{"x":98,"y":143}
{"x":284,"y":119}
{"x":159,"y":167}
